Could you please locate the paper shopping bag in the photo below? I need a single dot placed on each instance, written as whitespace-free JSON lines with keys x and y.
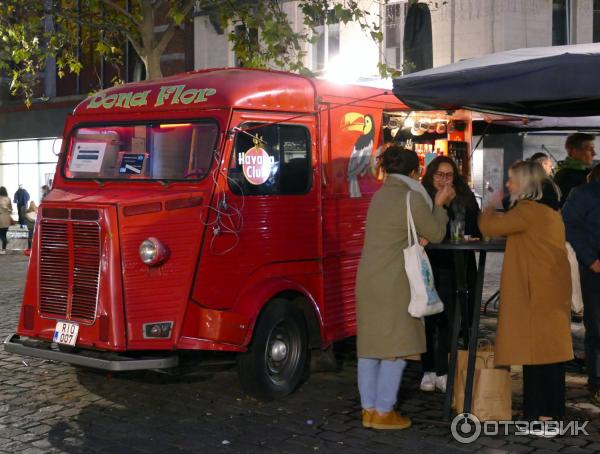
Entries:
{"x":492,"y":395}
{"x":485,"y":354}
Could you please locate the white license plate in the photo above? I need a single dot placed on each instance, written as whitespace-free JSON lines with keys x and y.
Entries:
{"x":66,"y":333}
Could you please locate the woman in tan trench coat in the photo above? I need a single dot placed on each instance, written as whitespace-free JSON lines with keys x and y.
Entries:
{"x":385,"y":330}
{"x":534,"y":323}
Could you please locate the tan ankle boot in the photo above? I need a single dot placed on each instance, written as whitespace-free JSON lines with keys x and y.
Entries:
{"x":391,"y":420}
{"x":367,"y":415}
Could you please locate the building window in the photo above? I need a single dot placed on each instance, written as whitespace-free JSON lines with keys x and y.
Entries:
{"x":327,"y":45}
{"x":596,"y":26}
{"x":560,"y":22}
{"x":394,"y":29}
{"x":287,"y":168}
{"x":28,"y":162}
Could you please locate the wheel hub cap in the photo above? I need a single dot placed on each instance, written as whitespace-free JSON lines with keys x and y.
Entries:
{"x":278,"y":350}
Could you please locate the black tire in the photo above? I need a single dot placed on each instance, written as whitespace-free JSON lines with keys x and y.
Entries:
{"x":276,"y":360}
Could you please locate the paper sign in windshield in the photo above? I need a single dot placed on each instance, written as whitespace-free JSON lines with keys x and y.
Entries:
{"x":87,"y":157}
{"x":132,"y":163}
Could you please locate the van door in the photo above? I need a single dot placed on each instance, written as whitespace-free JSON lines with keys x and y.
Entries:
{"x":265,"y":212}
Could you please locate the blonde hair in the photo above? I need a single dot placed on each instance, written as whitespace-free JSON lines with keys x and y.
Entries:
{"x":530,"y":177}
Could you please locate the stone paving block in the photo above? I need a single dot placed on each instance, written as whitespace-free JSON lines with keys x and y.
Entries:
{"x":33,"y":450}
{"x":576,"y":450}
{"x":516,"y":448}
{"x":492,"y":442}
{"x":546,"y":444}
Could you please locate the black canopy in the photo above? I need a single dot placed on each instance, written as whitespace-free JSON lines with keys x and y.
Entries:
{"x":561,"y":81}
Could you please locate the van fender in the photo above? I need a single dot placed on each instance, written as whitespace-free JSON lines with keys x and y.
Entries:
{"x":258,"y":293}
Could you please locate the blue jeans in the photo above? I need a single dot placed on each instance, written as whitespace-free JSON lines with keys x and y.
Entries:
{"x":379,"y":382}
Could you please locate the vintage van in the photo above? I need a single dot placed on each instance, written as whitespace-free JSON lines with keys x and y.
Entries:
{"x":214,"y":210}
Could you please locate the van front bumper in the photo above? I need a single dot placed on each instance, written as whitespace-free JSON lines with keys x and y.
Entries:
{"x":87,"y":358}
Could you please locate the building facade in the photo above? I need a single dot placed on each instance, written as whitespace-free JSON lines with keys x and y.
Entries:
{"x":30,"y":138}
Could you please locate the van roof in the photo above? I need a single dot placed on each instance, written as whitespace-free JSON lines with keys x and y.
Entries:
{"x":241,"y":88}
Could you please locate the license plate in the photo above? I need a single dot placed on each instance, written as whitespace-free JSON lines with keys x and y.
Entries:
{"x":66,"y":333}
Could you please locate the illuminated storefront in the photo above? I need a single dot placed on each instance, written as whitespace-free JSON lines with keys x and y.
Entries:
{"x":30,"y":163}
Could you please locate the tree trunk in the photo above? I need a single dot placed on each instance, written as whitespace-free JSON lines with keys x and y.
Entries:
{"x":152,"y":62}
{"x":149,"y":42}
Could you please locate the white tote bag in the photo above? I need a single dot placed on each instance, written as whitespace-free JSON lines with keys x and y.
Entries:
{"x":424,"y":299}
{"x":576,"y":297}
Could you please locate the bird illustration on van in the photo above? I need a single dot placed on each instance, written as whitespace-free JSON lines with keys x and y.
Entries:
{"x":360,"y":158}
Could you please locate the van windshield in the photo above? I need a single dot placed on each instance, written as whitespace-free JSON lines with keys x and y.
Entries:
{"x":166,"y":151}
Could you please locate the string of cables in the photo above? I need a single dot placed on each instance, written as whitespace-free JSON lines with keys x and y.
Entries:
{"x":228,"y":218}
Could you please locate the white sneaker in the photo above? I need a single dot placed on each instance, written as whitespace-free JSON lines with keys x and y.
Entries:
{"x":428,"y":382}
{"x":2,"y":251}
{"x":440,"y":382}
{"x":545,"y":429}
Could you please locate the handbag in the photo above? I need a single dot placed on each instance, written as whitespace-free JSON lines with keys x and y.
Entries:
{"x":576,"y":297}
{"x":424,"y":299}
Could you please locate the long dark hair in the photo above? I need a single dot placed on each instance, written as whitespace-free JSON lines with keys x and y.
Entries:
{"x":464,"y":196}
{"x":3,"y":192}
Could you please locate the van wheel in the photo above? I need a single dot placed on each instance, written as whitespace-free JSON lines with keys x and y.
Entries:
{"x":276,"y":360}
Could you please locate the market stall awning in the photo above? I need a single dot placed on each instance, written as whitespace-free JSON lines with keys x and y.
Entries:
{"x":561,"y":81}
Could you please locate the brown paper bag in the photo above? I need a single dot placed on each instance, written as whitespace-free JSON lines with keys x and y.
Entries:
{"x":485,"y":351}
{"x":492,"y":395}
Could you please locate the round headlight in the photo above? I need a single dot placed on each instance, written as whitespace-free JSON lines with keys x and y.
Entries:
{"x":153,"y":252}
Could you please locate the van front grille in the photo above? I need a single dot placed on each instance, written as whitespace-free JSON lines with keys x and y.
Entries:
{"x":69,"y":265}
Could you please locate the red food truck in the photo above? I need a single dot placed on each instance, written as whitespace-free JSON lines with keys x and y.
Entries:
{"x":214,"y":210}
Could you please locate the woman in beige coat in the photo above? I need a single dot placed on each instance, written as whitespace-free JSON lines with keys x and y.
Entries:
{"x":5,"y":218}
{"x":385,"y":331}
{"x":534,"y":328}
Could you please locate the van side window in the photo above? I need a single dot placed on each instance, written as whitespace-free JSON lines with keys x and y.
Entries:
{"x":281,"y":165}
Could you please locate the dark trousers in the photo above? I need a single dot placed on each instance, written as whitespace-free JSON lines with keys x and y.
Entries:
{"x":22,"y":218}
{"x":3,"y":237}
{"x":590,"y":289}
{"x":544,"y":391}
{"x":437,"y":327}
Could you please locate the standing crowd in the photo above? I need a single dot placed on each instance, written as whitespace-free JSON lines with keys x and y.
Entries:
{"x":26,"y":213}
{"x":542,"y":212}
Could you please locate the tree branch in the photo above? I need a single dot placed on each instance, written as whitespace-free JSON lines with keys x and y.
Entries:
{"x":165,"y":39}
{"x":170,"y":31}
{"x":121,"y":10}
{"x":136,"y":44}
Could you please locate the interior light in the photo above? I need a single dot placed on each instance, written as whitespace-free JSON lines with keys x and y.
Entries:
{"x":174,"y":125}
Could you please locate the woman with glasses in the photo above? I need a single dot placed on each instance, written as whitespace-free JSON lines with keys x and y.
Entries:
{"x":441,"y":172}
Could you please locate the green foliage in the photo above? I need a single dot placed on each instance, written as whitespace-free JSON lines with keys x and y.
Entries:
{"x":260,"y":32}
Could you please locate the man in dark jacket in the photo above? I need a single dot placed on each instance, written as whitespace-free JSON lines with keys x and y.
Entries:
{"x":581,"y":214}
{"x":21,"y":199}
{"x":573,"y":170}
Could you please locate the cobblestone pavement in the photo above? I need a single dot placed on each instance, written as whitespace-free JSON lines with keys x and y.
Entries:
{"x":53,"y":407}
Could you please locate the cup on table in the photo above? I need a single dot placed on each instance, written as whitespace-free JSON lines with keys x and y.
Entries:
{"x":457,"y":229}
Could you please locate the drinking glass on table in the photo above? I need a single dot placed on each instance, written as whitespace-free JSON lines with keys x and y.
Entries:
{"x":457,"y":229}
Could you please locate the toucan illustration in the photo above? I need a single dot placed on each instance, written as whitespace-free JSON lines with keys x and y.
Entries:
{"x":360,"y":158}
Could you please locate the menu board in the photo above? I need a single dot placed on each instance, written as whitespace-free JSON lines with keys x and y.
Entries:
{"x":87,"y":157}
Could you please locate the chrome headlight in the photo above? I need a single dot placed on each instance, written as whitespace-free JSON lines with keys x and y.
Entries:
{"x":153,"y":252}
